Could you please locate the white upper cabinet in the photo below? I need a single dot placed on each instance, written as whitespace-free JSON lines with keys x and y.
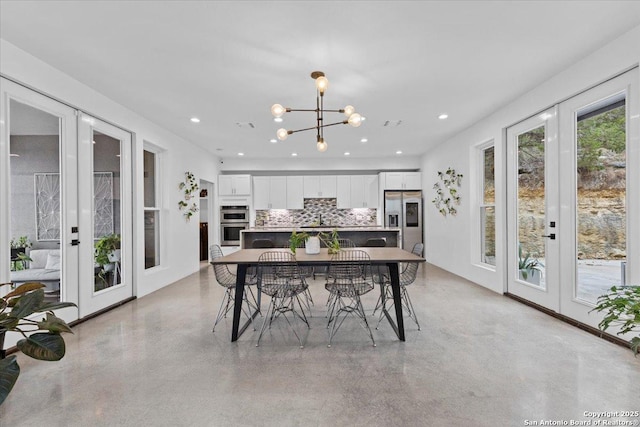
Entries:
{"x":343,"y":192}
{"x":234,"y":185}
{"x":269,"y":192}
{"x":357,"y":191}
{"x":401,"y":180}
{"x":323,"y":186}
{"x":295,"y":192}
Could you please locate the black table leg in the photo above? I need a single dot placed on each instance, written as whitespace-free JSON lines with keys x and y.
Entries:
{"x":398,"y":325}
{"x":237,"y":330}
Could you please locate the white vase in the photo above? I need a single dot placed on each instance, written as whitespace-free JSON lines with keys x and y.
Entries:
{"x":312,"y":245}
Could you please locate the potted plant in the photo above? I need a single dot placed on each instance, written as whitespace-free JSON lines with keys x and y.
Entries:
{"x":15,"y":309}
{"x":528,"y":267}
{"x":107,"y":252}
{"x":296,"y":239}
{"x":19,"y":255}
{"x":622,"y":308}
{"x":331,"y":241}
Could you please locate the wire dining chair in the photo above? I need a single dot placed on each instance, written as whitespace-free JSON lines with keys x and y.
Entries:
{"x":227,"y":280}
{"x":347,"y":281}
{"x":279,"y":277}
{"x":407,"y":277}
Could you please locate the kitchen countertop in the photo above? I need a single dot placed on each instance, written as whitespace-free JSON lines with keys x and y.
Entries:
{"x":320,"y":228}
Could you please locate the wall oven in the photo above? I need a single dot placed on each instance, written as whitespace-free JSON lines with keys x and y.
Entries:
{"x":233,"y":219}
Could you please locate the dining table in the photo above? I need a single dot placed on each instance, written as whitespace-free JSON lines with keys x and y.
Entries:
{"x":389,"y":256}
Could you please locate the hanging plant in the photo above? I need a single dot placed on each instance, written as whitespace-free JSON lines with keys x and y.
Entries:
{"x":190,"y":187}
{"x":447,"y":197}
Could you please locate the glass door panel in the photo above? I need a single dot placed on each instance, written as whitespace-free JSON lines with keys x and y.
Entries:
{"x":600,"y":193}
{"x":532,"y":206}
{"x":38,"y":195}
{"x":106,"y":225}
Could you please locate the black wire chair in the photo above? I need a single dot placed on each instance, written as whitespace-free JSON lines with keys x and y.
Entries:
{"x":347,"y":281}
{"x":407,"y":277}
{"x":306,"y":272}
{"x":227,"y":280}
{"x":279,"y":277}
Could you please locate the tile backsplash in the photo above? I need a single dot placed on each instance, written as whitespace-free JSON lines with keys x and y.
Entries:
{"x":313,"y":209}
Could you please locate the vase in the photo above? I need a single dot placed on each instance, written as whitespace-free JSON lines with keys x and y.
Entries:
{"x":312,"y":246}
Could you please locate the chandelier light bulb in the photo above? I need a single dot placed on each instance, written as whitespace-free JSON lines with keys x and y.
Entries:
{"x":321,"y":145}
{"x":282,"y":134}
{"x":355,"y":120}
{"x":277,"y":110}
{"x":349,"y":110}
{"x":322,"y":83}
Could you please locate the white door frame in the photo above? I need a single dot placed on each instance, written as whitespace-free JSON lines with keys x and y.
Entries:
{"x":68,"y":188}
{"x":626,"y":83}
{"x":90,"y":300}
{"x":548,"y":294}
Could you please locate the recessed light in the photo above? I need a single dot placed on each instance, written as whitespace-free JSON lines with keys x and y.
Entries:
{"x":363,"y":118}
{"x":364,"y":140}
{"x":240,"y":154}
{"x":294,"y":154}
{"x":346,"y":153}
{"x":277,"y":119}
{"x":14,"y":155}
{"x":398,"y":152}
{"x":195,"y":120}
{"x":443,"y":116}
{"x":273,"y":141}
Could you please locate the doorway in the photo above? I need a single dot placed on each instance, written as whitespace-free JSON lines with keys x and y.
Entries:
{"x":574,"y":200}
{"x":68,"y":186}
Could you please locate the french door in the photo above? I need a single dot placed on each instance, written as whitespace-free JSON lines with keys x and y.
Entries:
{"x":574,"y":199}
{"x":66,"y":183}
{"x":39,"y":193}
{"x":104,"y":198}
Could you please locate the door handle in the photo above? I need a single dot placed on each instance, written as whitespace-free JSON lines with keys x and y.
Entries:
{"x":552,"y":236}
{"x":75,"y":242}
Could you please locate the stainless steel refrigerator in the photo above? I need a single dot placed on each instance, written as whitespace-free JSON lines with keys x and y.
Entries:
{"x":403,"y":209}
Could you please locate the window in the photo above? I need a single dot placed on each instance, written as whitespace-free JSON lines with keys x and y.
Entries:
{"x":151,"y":211}
{"x":487,"y":205}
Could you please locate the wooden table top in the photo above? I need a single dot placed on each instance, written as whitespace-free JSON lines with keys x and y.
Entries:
{"x":377,"y":255}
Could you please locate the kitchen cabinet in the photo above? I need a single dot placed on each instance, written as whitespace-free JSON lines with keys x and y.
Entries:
{"x":401,"y":180}
{"x":269,"y":192}
{"x":357,"y":191}
{"x":234,"y":185}
{"x":323,"y":186}
{"x":295,"y":192}
{"x":343,"y":192}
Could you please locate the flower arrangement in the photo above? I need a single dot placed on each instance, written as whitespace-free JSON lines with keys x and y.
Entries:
{"x":190,"y":187}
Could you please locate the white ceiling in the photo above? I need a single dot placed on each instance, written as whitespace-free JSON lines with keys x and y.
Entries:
{"x":227,"y":62}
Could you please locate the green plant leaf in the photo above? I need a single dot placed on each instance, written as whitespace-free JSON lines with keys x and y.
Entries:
{"x":23,"y":289}
{"x":9,"y":371}
{"x":53,"y":323}
{"x":43,"y":346}
{"x":27,"y":304}
{"x":50,"y":306}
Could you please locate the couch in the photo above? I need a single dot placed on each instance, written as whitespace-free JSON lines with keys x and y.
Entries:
{"x":44,"y":268}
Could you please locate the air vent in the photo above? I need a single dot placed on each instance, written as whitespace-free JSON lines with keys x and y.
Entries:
{"x":392,"y":123}
{"x":245,"y":125}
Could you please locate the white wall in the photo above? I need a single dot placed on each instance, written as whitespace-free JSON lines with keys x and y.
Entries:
{"x":180,"y":252}
{"x":447,"y":240}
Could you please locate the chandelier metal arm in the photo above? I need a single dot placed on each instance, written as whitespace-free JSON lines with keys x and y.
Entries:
{"x":289,"y":110}
{"x":318,"y":127}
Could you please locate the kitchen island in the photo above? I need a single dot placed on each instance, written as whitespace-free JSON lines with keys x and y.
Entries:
{"x":358,"y":235}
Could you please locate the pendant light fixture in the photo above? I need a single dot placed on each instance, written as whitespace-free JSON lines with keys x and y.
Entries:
{"x":354,"y":119}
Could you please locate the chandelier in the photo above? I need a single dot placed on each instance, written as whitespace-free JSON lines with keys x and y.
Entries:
{"x":354,"y":119}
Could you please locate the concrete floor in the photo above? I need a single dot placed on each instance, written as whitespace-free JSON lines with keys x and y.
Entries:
{"x":481,"y":359}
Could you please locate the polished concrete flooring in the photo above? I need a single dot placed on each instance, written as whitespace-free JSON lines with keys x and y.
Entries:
{"x":481,"y":359}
